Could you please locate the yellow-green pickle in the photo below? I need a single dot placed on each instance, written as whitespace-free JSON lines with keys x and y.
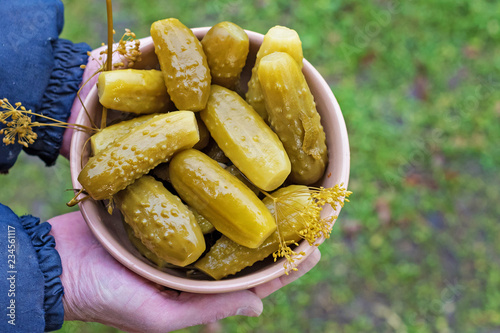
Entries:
{"x":214,"y":152}
{"x":205,"y":225}
{"x":146,"y":146}
{"x":110,"y":134}
{"x":227,"y":257}
{"x":237,"y":173}
{"x":161,"y":221}
{"x":133,"y":90}
{"x":221,"y":198}
{"x":226,"y":46}
{"x":293,"y":116}
{"x":277,"y":39}
{"x":204,"y":133}
{"x":183,"y":63}
{"x":246,"y":139}
{"x":143,"y":250}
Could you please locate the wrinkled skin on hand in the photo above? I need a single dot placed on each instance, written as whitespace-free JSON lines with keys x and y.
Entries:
{"x":100,"y":289}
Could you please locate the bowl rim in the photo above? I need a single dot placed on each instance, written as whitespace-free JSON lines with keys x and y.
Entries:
{"x":129,"y":260}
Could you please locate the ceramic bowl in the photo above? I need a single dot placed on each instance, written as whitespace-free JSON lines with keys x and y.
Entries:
{"x":109,"y":229}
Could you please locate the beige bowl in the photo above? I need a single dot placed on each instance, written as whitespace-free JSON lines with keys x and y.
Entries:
{"x":109,"y":230}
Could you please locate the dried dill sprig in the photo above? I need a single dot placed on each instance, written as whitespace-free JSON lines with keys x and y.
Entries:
{"x":301,"y":209}
{"x":128,"y":49}
{"x":18,"y":122}
{"x":19,"y":125}
{"x":316,"y":227}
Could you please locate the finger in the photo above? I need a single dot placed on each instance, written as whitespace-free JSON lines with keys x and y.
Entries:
{"x":213,"y":307}
{"x":163,"y":312}
{"x":268,"y":288}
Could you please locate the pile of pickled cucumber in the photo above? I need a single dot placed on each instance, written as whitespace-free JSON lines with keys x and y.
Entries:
{"x":189,"y":171}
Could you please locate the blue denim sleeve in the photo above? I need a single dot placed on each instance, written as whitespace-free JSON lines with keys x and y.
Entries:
{"x":39,"y":70}
{"x":30,"y":289}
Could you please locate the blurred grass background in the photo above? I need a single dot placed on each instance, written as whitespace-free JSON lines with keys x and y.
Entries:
{"x":417,"y":250}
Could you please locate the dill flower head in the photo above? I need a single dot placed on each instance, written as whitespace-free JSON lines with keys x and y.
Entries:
{"x":315,"y":226}
{"x":18,"y":124}
{"x":300,"y":209}
{"x":127,"y":49}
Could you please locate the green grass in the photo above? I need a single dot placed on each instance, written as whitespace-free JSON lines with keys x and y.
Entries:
{"x":418,"y":82}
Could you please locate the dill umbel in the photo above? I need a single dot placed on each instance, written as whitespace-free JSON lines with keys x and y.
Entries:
{"x":310,"y":227}
{"x":19,"y":124}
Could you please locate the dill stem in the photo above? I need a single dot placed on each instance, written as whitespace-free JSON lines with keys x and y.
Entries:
{"x":81,"y":101}
{"x":65,"y":125}
{"x":42,"y":116}
{"x":109,"y":10}
{"x":104,"y":117}
{"x":109,"y":65}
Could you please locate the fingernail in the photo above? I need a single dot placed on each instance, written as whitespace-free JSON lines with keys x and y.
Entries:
{"x":247,"y":311}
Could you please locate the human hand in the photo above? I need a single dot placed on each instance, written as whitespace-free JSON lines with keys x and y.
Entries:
{"x":98,"y":288}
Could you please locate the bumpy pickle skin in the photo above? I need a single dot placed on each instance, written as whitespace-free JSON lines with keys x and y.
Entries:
{"x":133,"y":90}
{"x":293,"y":116}
{"x":246,"y":139}
{"x":221,"y":198}
{"x":146,"y":146}
{"x":227,"y":257}
{"x":226,"y":46}
{"x":143,"y":250}
{"x":110,"y":134}
{"x":277,"y":39}
{"x":161,"y":221}
{"x":183,"y":63}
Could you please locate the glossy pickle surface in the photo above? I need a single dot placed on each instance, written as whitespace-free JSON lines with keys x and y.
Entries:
{"x":146,"y":146}
{"x":133,"y":90}
{"x":110,"y":134}
{"x":221,"y":198}
{"x":226,"y":46}
{"x":183,"y":63}
{"x":237,"y":173}
{"x":277,"y":39}
{"x":246,"y":139}
{"x":227,"y":257}
{"x":293,"y":116}
{"x":161,"y":221}
{"x":143,"y":250}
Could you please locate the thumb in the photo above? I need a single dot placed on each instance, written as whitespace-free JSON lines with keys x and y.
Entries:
{"x":195,"y":309}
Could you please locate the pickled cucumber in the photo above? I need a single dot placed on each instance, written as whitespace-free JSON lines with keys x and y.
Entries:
{"x":133,"y":90}
{"x":143,"y":250}
{"x":237,"y":173}
{"x":226,"y":46}
{"x":214,"y":152}
{"x":246,"y":139}
{"x":227,"y":257}
{"x":205,"y":225}
{"x":277,"y":39}
{"x":110,"y":134}
{"x":293,"y":116}
{"x":161,"y":172}
{"x":161,"y":221}
{"x":183,"y":63}
{"x":204,"y":134}
{"x":146,"y":146}
{"x":221,"y":198}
